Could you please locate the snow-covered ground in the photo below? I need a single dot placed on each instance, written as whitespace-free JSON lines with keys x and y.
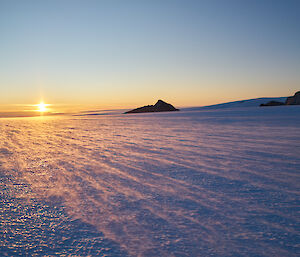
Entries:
{"x":191,"y":183}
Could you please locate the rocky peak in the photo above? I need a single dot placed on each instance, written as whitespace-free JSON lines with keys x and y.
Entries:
{"x":293,"y":100}
{"x":160,"y":106}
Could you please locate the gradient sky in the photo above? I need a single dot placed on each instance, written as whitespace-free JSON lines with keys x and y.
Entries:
{"x":115,"y":54}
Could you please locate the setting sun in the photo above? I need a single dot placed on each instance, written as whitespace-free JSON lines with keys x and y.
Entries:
{"x":42,"y":107}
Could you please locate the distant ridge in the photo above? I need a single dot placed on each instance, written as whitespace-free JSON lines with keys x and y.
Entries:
{"x":255,"y":102}
{"x":160,"y":106}
{"x":291,"y":100}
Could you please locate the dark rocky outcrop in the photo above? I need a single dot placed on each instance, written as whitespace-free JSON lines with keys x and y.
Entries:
{"x":293,"y":100}
{"x":160,"y":106}
{"x":272,"y":103}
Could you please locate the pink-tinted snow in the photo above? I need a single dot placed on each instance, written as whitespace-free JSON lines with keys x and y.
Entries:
{"x":192,"y":183}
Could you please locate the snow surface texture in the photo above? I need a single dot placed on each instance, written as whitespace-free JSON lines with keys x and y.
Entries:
{"x":190,"y":183}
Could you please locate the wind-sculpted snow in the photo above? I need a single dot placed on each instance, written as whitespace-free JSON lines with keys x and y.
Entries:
{"x":201,"y":183}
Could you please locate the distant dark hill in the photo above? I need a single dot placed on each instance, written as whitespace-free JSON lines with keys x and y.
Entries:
{"x":160,"y":106}
{"x":272,"y":103}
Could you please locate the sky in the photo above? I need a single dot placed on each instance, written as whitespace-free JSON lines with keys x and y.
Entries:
{"x":77,"y":54}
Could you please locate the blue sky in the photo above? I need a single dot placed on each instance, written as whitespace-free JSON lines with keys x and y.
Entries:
{"x":122,"y":53}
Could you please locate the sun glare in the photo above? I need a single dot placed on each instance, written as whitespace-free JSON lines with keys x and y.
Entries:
{"x":42,"y":107}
